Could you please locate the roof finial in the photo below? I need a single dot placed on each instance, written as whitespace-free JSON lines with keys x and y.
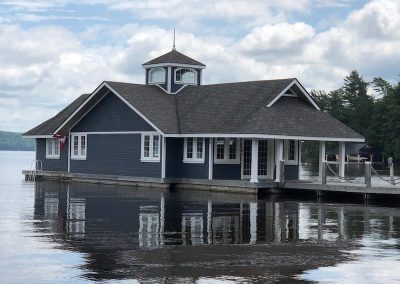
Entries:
{"x":173,"y":46}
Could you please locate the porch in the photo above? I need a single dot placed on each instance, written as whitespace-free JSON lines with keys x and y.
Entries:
{"x":254,"y":160}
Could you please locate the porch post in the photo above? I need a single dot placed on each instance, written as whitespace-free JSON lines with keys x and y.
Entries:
{"x":299,"y":154}
{"x":163,"y":156}
{"x":342,"y":158}
{"x":210,"y":158}
{"x":254,"y":160}
{"x":270,"y":159}
{"x":278,"y":159}
{"x":321,"y":159}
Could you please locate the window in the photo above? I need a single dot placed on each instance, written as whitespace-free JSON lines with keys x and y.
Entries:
{"x":79,"y":147}
{"x":52,"y":149}
{"x":193,"y":150}
{"x":226,"y":151}
{"x":291,"y":151}
{"x":157,"y":75}
{"x":185,"y":76}
{"x":150,"y":148}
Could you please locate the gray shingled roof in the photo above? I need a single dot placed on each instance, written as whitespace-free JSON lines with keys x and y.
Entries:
{"x":49,"y":126}
{"x":174,"y":57}
{"x":233,"y":108}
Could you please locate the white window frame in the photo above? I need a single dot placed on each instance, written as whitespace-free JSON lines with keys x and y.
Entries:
{"x":226,"y":159}
{"x":79,"y":156}
{"x":154,"y":70}
{"x":286,"y":152}
{"x":181,"y":82}
{"x":194,"y":159}
{"x":151,"y":157}
{"x":54,"y":144}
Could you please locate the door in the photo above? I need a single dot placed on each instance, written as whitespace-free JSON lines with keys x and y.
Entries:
{"x":262,"y":158}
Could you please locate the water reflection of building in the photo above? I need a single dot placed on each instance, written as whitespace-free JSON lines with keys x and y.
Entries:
{"x":76,"y":216}
{"x":121,"y":223}
{"x":145,"y":219}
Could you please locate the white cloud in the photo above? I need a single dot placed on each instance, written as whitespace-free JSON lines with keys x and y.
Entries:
{"x":45,"y":67}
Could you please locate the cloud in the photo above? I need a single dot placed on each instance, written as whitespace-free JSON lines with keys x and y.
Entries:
{"x":43,"y":67}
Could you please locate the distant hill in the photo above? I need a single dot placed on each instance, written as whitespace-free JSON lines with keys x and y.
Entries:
{"x":11,"y":141}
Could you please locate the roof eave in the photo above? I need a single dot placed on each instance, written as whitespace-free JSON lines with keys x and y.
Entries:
{"x":166,"y":64}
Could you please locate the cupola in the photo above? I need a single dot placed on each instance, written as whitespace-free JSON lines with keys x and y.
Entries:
{"x":173,"y":71}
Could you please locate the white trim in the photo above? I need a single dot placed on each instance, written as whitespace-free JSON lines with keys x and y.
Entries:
{"x":185,"y":83}
{"x":254,"y":161}
{"x":299,"y":158}
{"x":69,"y":152}
{"x":270,"y":158}
{"x":305,"y":93}
{"x":89,"y":110}
{"x":169,"y":80}
{"x":150,"y":158}
{"x":286,"y":152}
{"x":54,"y":144}
{"x":163,"y":156}
{"x":79,"y":156}
{"x":81,"y":106}
{"x":119,"y":96}
{"x":322,"y":154}
{"x":210,"y":158}
{"x":342,"y":159}
{"x":226,"y":159}
{"x":151,"y":70}
{"x":278,"y":159}
{"x":132,"y":107}
{"x":114,"y":132}
{"x":267,"y":136}
{"x":173,"y":65}
{"x":194,"y":154}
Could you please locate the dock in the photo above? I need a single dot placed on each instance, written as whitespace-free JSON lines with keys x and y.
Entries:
{"x":232,"y":186}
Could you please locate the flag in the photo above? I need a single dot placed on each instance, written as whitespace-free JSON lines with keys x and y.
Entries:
{"x":60,"y":138}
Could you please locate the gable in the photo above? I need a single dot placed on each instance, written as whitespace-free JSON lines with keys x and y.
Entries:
{"x":294,"y":89}
{"x":111,"y":114}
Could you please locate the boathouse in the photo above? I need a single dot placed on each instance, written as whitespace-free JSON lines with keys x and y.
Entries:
{"x":175,"y":130}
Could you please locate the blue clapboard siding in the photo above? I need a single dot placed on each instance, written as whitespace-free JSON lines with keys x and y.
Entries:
{"x":291,"y":172}
{"x":227,"y":171}
{"x":112,"y":114}
{"x":175,"y":168}
{"x":60,"y":164}
{"x":115,"y":154}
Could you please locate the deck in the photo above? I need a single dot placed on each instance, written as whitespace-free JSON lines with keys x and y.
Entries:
{"x":235,"y":186}
{"x":339,"y":186}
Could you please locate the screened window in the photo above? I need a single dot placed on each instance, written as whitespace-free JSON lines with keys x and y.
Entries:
{"x":186,"y":76}
{"x":52,"y":149}
{"x":193,"y":150}
{"x":226,"y":150}
{"x":150,"y":148}
{"x":157,"y":75}
{"x":79,"y":146}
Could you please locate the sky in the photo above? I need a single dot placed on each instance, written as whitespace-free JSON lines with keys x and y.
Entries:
{"x":51,"y":51}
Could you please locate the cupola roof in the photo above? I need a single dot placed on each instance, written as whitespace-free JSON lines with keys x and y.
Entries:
{"x":174,"y":57}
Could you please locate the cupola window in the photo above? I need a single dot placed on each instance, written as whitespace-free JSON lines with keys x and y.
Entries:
{"x":185,"y":76}
{"x":157,"y":75}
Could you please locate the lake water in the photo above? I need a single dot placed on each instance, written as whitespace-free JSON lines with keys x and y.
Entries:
{"x":54,"y":232}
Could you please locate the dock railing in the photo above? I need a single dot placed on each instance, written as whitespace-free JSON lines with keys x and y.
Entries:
{"x":368,"y":172}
